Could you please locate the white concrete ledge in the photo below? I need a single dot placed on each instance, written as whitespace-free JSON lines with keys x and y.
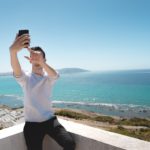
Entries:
{"x":87,"y":138}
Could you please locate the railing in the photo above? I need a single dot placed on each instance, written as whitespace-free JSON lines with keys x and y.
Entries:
{"x":86,"y":137}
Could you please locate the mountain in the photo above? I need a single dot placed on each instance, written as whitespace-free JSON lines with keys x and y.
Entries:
{"x":71,"y":70}
{"x":61,"y":71}
{"x":6,"y":74}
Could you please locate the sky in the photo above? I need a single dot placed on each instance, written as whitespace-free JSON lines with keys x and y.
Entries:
{"x":89,"y":34}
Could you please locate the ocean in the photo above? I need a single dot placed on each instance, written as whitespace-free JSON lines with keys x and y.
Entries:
{"x":119,"y":93}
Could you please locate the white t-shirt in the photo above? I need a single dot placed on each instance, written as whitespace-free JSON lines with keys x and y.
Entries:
{"x":37,"y":96}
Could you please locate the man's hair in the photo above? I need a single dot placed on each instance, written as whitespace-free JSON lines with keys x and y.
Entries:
{"x":39,"y":49}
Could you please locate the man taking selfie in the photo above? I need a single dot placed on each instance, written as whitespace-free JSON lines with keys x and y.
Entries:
{"x":37,"y":85}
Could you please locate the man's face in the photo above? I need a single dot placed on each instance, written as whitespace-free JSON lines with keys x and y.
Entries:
{"x":36,"y":56}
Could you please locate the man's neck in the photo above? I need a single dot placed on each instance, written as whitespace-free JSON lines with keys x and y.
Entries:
{"x":38,"y":71}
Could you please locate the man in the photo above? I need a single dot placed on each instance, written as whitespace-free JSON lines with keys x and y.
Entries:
{"x":39,"y":117}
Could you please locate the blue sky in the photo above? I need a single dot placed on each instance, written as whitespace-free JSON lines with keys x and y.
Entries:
{"x":90,"y":34}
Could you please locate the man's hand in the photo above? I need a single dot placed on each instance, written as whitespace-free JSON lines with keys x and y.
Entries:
{"x":20,"y":43}
{"x":36,"y":57}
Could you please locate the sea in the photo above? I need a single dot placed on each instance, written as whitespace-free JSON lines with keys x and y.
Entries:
{"x":116,"y":93}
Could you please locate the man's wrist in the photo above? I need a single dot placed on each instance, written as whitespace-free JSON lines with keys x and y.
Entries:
{"x":13,"y":52}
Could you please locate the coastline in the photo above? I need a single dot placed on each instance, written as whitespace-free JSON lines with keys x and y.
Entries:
{"x":110,"y":109}
{"x":135,"y":127}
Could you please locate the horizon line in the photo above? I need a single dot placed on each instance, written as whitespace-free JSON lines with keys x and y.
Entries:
{"x":130,"y":69}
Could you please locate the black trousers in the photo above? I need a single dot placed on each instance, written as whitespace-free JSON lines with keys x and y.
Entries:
{"x":34,"y":133}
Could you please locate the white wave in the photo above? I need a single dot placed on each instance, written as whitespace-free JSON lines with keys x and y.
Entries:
{"x":109,"y":105}
{"x":11,"y":96}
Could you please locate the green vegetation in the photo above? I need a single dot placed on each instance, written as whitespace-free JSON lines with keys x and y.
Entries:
{"x":143,"y":134}
{"x":71,"y":114}
{"x":135,"y":122}
{"x":104,"y":119}
{"x":100,"y":118}
{"x":80,"y":116}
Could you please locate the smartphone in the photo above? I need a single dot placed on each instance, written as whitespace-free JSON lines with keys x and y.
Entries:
{"x":21,"y":32}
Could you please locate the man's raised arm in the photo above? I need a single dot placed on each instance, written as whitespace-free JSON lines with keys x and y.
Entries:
{"x":18,"y":44}
{"x":50,"y":71}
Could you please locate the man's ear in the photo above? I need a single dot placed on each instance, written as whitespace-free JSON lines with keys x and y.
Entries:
{"x":45,"y":59}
